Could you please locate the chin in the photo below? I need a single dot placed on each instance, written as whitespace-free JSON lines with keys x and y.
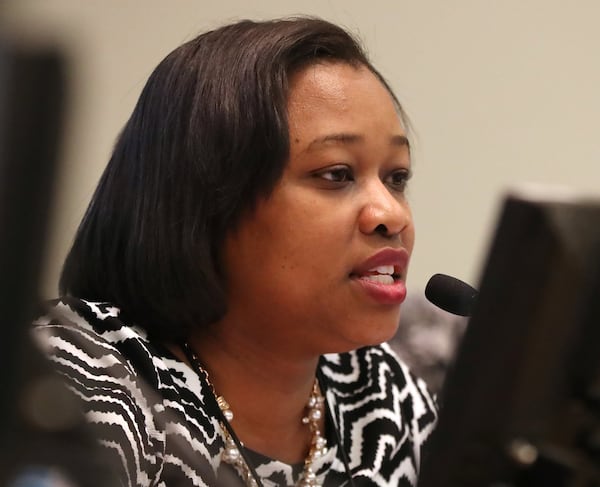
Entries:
{"x":381,"y":329}
{"x":375,"y":335}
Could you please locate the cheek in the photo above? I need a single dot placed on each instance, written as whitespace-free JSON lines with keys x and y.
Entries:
{"x":409,"y":238}
{"x":276,"y":243}
{"x":293,"y":249}
{"x":408,"y":234}
{"x":307,"y":231}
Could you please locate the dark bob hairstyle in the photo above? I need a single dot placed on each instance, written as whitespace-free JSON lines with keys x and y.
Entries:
{"x":207,"y":138}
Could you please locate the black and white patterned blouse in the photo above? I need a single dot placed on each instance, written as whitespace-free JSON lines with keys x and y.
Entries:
{"x":150,"y":412}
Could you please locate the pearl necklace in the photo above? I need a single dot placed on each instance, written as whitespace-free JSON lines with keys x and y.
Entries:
{"x":318,"y":444}
{"x":232,"y":455}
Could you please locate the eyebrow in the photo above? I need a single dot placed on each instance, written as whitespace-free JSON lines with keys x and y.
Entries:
{"x":349,"y":138}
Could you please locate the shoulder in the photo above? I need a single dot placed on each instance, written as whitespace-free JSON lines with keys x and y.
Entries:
{"x":367,"y":367}
{"x":143,"y":405}
{"x":385,"y":415}
{"x":93,"y":341}
{"x":374,"y":372}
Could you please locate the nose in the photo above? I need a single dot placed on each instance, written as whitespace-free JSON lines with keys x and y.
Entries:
{"x":383,"y":212}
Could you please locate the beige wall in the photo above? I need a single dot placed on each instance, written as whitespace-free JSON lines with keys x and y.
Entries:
{"x":499,"y":92}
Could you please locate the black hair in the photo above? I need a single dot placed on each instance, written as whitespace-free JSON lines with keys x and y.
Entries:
{"x":207,"y":138}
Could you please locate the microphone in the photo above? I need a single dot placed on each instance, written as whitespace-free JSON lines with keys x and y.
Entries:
{"x":451,"y":294}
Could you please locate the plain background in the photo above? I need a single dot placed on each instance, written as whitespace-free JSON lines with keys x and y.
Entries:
{"x":499,"y":93}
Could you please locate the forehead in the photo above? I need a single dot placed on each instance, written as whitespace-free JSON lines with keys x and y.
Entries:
{"x":338,"y":96}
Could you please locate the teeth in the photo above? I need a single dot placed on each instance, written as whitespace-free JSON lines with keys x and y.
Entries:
{"x":383,"y":269}
{"x":380,"y":278}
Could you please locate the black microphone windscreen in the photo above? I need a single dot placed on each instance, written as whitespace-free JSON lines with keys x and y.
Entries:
{"x":451,"y":294}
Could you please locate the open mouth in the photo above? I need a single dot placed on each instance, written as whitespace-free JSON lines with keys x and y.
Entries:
{"x":384,"y":274}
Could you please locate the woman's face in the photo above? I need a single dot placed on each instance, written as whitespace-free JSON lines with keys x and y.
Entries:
{"x":320,"y":265}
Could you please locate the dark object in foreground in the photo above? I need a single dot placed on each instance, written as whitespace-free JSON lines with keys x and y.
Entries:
{"x":521,"y":405}
{"x":42,"y":434}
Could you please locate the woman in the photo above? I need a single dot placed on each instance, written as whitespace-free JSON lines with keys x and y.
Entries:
{"x":243,"y":255}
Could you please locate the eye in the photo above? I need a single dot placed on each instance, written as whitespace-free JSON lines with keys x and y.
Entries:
{"x":398,"y":179}
{"x":336,"y":175}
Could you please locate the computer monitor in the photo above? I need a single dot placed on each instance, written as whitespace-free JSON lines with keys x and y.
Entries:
{"x":521,"y":404}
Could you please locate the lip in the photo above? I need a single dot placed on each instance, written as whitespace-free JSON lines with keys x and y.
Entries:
{"x":386,"y":294}
{"x":396,"y":257}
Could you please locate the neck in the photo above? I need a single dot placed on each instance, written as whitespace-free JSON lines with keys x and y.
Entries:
{"x":267,"y":389}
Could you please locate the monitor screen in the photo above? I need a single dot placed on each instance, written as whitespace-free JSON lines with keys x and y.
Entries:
{"x":521,"y":403}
